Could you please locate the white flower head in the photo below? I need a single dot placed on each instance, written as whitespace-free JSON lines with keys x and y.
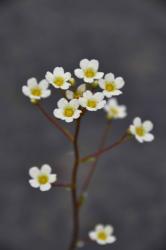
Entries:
{"x":59,"y":79}
{"x":141,"y":130}
{"x":77,"y":93}
{"x":35,"y":90}
{"x":67,"y":110}
{"x":88,"y":70}
{"x":92,"y":102}
{"x":114,"y":110}
{"x":102,"y":235}
{"x":111,"y":86}
{"x":42,"y":178}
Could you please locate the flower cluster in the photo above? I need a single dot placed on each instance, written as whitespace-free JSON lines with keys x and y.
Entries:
{"x":86,"y":97}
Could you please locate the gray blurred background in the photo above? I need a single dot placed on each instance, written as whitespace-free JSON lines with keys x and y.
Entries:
{"x":129,"y":188}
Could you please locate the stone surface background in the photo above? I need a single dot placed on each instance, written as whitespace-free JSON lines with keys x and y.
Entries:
{"x":129,"y":188}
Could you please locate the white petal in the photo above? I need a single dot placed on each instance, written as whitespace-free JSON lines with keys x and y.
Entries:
{"x":26,"y":91}
{"x":46,"y":93}
{"x":43,"y":84}
{"x":49,"y":77}
{"x":84,"y":63}
{"x":62,"y":103}
{"x":67,"y":76}
{"x":82,"y":101}
{"x":34,"y":183}
{"x":74,"y":103}
{"x":79,"y":73}
{"x":52,"y":178}
{"x":77,"y":114}
{"x":68,"y":119}
{"x":46,"y":169}
{"x":88,"y":94}
{"x":149,"y":137}
{"x":148,"y":125}
{"x":99,"y":75}
{"x":99,"y":96}
{"x":65,"y":86}
{"x":88,"y":80}
{"x":113,"y":102}
{"x":58,"y":71}
{"x":34,"y":172}
{"x":111,"y":239}
{"x":69,"y":94}
{"x":32,"y":82}
{"x":140,"y":139}
{"x":119,"y":82}
{"x":58,"y":113}
{"x":101,"y":242}
{"x":101,"y":104}
{"x":107,"y":93}
{"x":94,"y":64}
{"x":92,"y":235}
{"x":116,"y":92}
{"x":109,"y":229}
{"x":137,"y":121}
{"x":99,"y":227}
{"x":109,"y":77}
{"x":132,"y":129}
{"x":102,"y":83}
{"x":45,"y":187}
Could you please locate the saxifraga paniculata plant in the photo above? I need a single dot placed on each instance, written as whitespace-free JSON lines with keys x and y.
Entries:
{"x":96,"y":92}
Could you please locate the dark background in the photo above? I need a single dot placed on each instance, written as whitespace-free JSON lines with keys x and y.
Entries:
{"x":129,"y":188}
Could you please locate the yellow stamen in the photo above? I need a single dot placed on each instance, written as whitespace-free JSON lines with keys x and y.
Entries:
{"x":68,"y":111}
{"x":43,"y":179}
{"x":102,"y":235}
{"x":89,"y":72}
{"x":59,"y":81}
{"x":140,"y":131}
{"x":36,"y":91}
{"x":110,"y":86}
{"x":114,"y":112}
{"x":91,"y":103}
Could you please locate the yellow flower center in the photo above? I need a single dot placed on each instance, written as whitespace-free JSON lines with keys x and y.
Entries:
{"x":89,"y":72}
{"x":43,"y":179}
{"x":91,"y":103}
{"x":102,"y":235}
{"x":68,"y":111}
{"x":110,"y":86}
{"x":36,"y":91}
{"x":140,"y":131}
{"x":59,"y":81}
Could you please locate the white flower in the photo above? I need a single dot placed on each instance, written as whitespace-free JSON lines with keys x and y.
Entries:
{"x":141,"y":130}
{"x":59,"y":79}
{"x":92,"y":102}
{"x":114,"y":110}
{"x":67,"y":110}
{"x":42,"y":178}
{"x":35,"y":90}
{"x":77,"y":93}
{"x":88,"y":70}
{"x":102,"y":235}
{"x":111,"y":85}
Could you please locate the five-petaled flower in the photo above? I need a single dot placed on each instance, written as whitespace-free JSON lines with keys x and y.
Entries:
{"x":67,"y":110}
{"x":88,"y":70}
{"x":42,"y":178}
{"x":59,"y":79}
{"x":102,"y":235}
{"x":111,"y":86}
{"x":77,"y":93}
{"x":92,"y":102}
{"x":36,"y":91}
{"x":114,"y":110}
{"x":141,"y":130}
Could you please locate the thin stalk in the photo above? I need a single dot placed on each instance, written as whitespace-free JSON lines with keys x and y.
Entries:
{"x":108,"y":148}
{"x":94,"y":164}
{"x":55,"y":123}
{"x":76,"y":227}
